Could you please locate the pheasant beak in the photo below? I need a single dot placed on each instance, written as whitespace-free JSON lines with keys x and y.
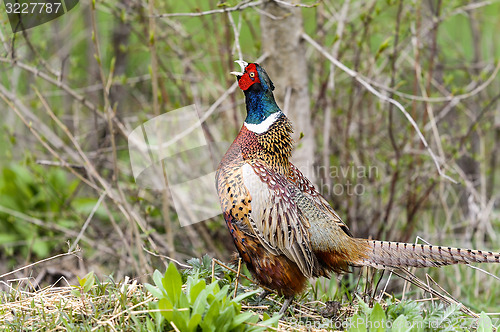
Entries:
{"x":243,"y":65}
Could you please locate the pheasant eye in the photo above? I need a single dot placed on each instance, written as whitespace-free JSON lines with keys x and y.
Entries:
{"x":252,"y":74}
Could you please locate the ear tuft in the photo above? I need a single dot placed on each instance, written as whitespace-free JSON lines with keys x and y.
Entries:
{"x":271,"y":84}
{"x":265,"y":78}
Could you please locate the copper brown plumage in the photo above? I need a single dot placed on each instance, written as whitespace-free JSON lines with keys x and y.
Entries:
{"x":282,"y":227}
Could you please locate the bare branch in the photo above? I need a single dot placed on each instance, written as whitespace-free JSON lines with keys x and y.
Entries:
{"x":87,"y":222}
{"x":239,"y":6}
{"x":284,"y":3}
{"x":357,"y":77}
{"x":41,"y":261}
{"x":236,"y":30}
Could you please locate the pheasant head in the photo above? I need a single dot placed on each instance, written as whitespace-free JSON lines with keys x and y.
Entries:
{"x":262,"y":110}
{"x":265,"y":121}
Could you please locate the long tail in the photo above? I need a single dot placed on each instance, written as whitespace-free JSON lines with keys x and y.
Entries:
{"x":382,"y":254}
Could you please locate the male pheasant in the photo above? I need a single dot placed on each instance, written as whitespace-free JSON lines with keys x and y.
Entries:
{"x":282,"y":227}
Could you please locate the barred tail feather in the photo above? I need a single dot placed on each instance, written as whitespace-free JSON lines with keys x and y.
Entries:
{"x":382,"y":254}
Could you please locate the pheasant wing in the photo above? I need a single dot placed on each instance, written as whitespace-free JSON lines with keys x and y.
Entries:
{"x":275,"y":217}
{"x":307,"y":188}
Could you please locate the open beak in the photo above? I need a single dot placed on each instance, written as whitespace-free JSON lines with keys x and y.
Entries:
{"x":243,"y":65}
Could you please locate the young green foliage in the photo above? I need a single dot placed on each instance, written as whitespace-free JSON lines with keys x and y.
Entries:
{"x":201,"y":306}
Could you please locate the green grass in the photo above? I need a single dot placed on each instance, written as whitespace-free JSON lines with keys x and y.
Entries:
{"x":94,"y":304}
{"x":203,"y":298}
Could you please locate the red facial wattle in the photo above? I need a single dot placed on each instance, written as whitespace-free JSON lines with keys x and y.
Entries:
{"x":250,"y":76}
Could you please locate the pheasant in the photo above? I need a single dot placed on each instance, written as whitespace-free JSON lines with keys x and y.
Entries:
{"x":284,"y":230}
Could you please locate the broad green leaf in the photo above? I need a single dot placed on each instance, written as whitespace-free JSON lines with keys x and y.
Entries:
{"x":200,"y":303}
{"x":401,"y":324}
{"x":363,"y":306}
{"x":194,"y":322}
{"x":266,"y":321}
{"x":213,"y":287}
{"x":378,"y":321}
{"x":223,"y":321}
{"x":181,"y":320}
{"x":243,"y":296}
{"x":183,"y":300}
{"x":157,"y":279}
{"x":166,"y":306}
{"x":81,"y":281}
{"x":190,"y":282}
{"x":241,"y":318}
{"x":210,"y":298}
{"x":172,"y":282}
{"x":207,"y":327}
{"x":254,"y":319}
{"x":484,"y":323}
{"x":221,"y":294}
{"x":358,"y":324}
{"x":208,"y":323}
{"x":195,"y":290}
{"x":270,"y":321}
{"x":89,"y":281}
{"x":417,"y":324}
{"x":154,"y":290}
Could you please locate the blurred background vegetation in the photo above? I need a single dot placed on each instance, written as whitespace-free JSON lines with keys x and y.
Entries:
{"x":72,"y":89}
